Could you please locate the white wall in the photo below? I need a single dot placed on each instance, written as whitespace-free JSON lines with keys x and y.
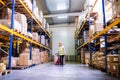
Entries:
{"x":66,"y":35}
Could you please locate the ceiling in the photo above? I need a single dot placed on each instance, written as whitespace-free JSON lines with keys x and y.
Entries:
{"x":53,"y":7}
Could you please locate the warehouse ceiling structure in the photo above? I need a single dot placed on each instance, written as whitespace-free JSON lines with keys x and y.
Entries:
{"x":61,"y":11}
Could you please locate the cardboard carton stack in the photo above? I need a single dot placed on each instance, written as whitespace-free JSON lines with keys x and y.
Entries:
{"x":82,"y":56}
{"x":86,"y":36}
{"x":20,"y":23}
{"x":116,"y":8}
{"x":98,"y":60}
{"x":35,"y":56}
{"x":87,"y":58}
{"x":24,"y":60}
{"x":2,"y":67}
{"x":14,"y":61}
{"x":113,"y":63}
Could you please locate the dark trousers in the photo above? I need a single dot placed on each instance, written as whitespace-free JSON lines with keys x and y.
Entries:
{"x":61,"y":60}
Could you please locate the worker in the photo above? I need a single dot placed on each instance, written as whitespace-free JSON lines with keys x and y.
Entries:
{"x":61,"y":51}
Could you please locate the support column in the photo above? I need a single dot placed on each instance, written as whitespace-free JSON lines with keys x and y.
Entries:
{"x":105,"y":35}
{"x":31,"y":25}
{"x":11,"y":36}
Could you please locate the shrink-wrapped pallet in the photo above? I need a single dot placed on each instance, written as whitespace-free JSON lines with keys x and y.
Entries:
{"x":116,"y":8}
{"x":35,"y":36}
{"x":43,"y":39}
{"x":7,"y":23}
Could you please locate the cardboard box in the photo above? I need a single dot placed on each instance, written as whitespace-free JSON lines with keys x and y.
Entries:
{"x":115,"y":67}
{"x":2,"y":67}
{"x":116,"y":8}
{"x":24,"y":60}
{"x":113,"y":58}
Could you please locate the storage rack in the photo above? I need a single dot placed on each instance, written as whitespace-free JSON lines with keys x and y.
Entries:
{"x":98,"y":35}
{"x":23,"y":8}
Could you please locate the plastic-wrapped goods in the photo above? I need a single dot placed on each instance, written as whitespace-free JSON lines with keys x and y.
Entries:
{"x":5,"y":13}
{"x":44,"y":23}
{"x":40,"y":16}
{"x":29,"y":34}
{"x":43,"y":39}
{"x":86,"y":36}
{"x":7,"y":23}
{"x":48,"y":27}
{"x":46,"y":42}
{"x":35,"y":36}
{"x":116,"y":8}
{"x":2,"y":67}
{"x":28,"y":3}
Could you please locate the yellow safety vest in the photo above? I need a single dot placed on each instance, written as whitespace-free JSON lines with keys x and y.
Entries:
{"x":60,"y":50}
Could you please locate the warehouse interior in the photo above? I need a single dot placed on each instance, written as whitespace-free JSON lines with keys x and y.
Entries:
{"x":59,"y":39}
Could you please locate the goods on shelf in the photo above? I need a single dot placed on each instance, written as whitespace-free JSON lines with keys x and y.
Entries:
{"x":28,"y":3}
{"x":87,"y":58}
{"x":29,"y":34}
{"x":35,"y":56}
{"x":35,"y":36}
{"x":94,"y":29}
{"x":98,"y":60}
{"x":14,"y":61}
{"x":7,"y":23}
{"x":116,"y":8}
{"x":113,"y":58}
{"x":20,"y":23}
{"x":2,"y":67}
{"x":24,"y":60}
{"x":113,"y":64}
{"x":43,"y":39}
{"x":86,"y":36}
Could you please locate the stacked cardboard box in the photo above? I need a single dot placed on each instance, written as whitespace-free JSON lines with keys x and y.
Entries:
{"x":2,"y":67}
{"x":98,"y":60}
{"x":116,"y":8}
{"x":35,"y":56}
{"x":24,"y":60}
{"x":87,"y":58}
{"x":82,"y":56}
{"x":86,"y":36}
{"x":20,"y":23}
{"x":113,"y":63}
{"x":14,"y":61}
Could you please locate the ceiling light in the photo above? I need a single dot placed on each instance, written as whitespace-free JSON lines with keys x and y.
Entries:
{"x":61,"y":6}
{"x":62,"y":17}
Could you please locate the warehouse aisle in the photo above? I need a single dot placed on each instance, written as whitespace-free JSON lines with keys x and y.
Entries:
{"x":54,"y":72}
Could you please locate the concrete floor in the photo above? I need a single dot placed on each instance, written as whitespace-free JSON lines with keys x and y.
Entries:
{"x":50,"y":71}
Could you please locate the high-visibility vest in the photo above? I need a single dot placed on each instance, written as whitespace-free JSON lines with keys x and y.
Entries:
{"x":61,"y":50}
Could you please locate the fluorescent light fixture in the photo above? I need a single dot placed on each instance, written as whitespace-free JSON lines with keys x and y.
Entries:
{"x":62,"y":17}
{"x":61,"y":6}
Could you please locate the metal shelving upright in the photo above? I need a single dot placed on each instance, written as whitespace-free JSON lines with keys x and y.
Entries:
{"x":12,"y":32}
{"x":99,"y":34}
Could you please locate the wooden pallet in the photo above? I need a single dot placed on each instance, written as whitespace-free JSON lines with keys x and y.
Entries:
{"x":20,"y":67}
{"x":113,"y":73}
{"x":5,"y":72}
